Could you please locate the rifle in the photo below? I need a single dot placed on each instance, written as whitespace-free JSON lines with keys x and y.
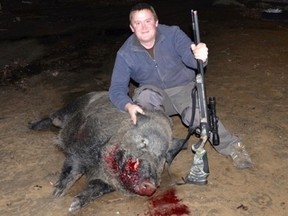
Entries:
{"x":208,"y":120}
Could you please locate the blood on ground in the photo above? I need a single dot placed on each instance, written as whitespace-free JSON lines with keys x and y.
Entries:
{"x":167,"y":204}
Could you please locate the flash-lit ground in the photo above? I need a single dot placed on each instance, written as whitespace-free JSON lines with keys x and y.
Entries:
{"x":52,"y":54}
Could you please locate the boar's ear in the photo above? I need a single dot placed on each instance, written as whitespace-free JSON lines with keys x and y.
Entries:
{"x":141,"y":119}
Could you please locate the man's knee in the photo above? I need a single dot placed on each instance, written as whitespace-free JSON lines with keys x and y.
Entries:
{"x":148,"y":99}
{"x":186,"y":116}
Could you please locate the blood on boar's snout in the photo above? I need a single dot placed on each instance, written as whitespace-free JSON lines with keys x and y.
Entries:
{"x":100,"y":141}
{"x":136,"y":175}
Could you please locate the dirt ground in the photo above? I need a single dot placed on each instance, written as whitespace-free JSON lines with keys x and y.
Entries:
{"x":49,"y":55}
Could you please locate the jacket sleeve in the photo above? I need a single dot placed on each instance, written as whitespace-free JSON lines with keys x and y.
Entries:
{"x":183,"y":48}
{"x":119,"y":87}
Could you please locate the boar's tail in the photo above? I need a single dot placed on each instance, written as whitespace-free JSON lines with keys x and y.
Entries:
{"x":43,"y":123}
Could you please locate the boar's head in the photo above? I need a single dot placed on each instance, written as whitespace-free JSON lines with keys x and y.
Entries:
{"x":136,"y":156}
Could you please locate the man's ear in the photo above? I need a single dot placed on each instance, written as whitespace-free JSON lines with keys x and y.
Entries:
{"x":131,"y":27}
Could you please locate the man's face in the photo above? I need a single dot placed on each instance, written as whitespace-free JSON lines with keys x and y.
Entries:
{"x":144,"y":25}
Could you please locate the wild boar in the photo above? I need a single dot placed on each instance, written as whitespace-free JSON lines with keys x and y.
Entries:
{"x":101,"y":142}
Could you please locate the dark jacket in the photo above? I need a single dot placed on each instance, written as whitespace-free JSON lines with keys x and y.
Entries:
{"x":173,"y":64}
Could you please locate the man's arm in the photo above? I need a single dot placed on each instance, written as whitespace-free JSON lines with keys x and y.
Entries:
{"x":119,"y":86}
{"x":184,"y":46}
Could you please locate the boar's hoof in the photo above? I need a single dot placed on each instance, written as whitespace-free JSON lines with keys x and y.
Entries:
{"x":59,"y":191}
{"x":75,"y":205}
{"x":40,"y":124}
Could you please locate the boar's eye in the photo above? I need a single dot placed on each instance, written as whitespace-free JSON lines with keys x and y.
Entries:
{"x":143,"y":143}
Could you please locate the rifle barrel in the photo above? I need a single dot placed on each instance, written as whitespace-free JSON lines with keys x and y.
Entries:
{"x":195,"y":27}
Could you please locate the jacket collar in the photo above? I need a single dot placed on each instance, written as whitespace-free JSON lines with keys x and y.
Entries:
{"x":136,"y":45}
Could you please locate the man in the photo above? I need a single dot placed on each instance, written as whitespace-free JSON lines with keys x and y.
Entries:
{"x":162,"y":60}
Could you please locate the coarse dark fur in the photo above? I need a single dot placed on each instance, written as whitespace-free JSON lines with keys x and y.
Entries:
{"x":101,"y":142}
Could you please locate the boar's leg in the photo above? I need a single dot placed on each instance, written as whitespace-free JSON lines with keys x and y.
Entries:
{"x":94,"y":189}
{"x":177,"y":146}
{"x":57,"y":118}
{"x":71,"y":172}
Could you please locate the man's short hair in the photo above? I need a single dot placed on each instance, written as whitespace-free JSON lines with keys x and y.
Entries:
{"x":142,"y":6}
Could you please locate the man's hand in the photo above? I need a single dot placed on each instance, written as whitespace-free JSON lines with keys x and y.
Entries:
{"x":133,"y":109}
{"x":200,"y":51}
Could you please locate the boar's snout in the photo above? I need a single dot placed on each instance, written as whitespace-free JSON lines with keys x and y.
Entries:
{"x":139,"y":176}
{"x":146,"y":188}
